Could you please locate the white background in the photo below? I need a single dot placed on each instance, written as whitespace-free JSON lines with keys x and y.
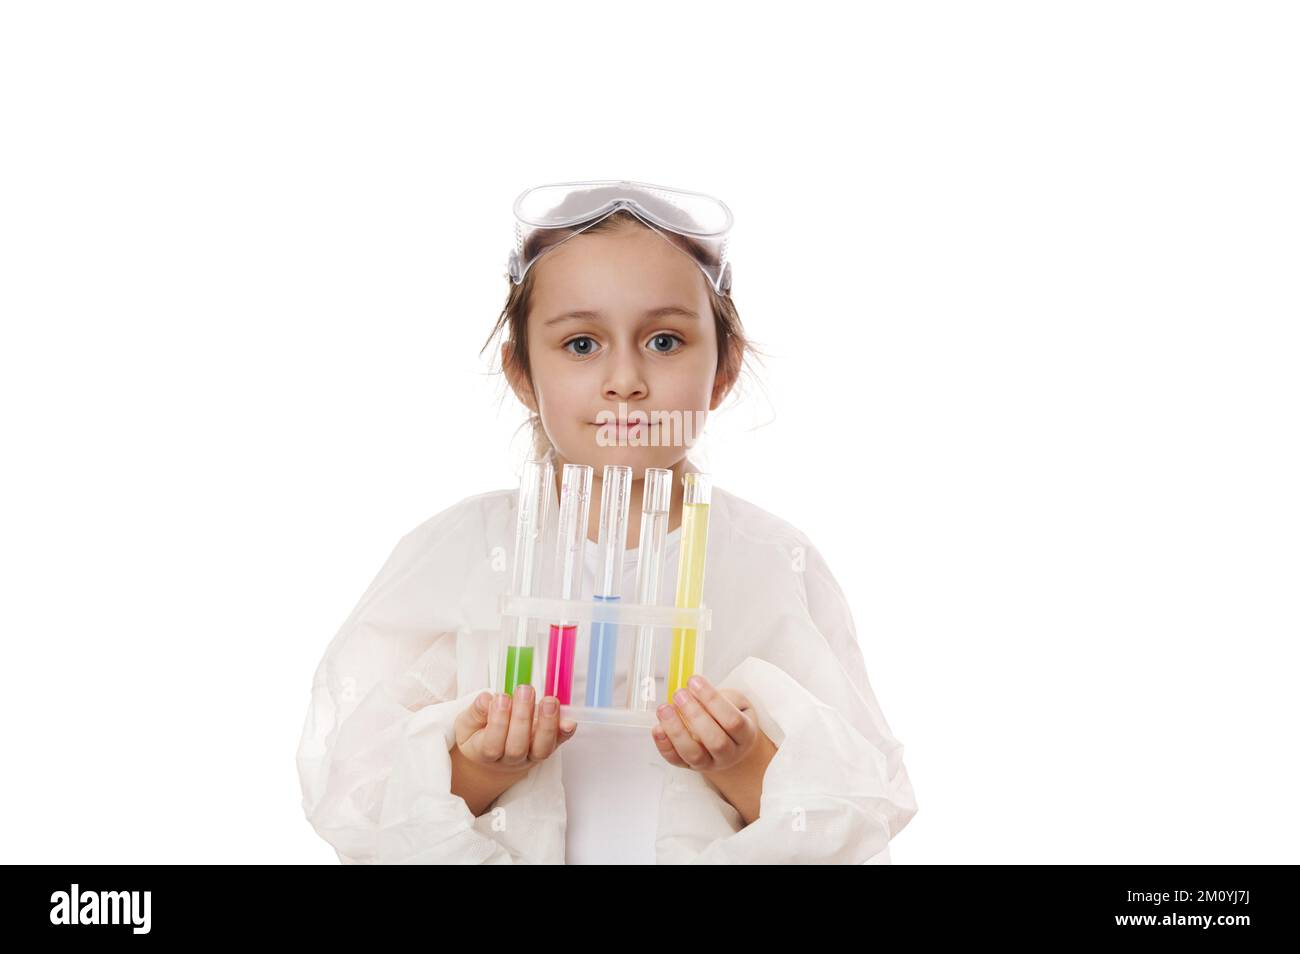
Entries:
{"x":1027,"y":277}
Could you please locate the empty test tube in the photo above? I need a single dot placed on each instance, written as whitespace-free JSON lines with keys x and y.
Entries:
{"x":656,"y":501}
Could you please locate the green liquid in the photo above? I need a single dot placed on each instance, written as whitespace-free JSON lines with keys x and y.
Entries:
{"x":519,"y":667}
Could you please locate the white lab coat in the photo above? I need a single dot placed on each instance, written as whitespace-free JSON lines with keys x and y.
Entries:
{"x":374,"y":757}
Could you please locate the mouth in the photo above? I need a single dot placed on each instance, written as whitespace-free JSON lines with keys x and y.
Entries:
{"x":622,"y":425}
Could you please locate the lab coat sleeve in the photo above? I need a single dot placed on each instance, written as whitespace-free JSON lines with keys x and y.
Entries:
{"x":829,"y":610}
{"x":836,"y":791}
{"x":374,"y":759}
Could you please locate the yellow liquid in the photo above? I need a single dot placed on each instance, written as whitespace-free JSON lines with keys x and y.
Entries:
{"x":690,"y":590}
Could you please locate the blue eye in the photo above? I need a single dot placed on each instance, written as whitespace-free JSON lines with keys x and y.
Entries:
{"x":581,"y":354}
{"x":587,"y":344}
{"x":664,"y":335}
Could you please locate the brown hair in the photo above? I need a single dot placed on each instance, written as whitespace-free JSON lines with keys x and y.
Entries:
{"x":733,"y":344}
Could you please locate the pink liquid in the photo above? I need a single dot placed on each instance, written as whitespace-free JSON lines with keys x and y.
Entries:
{"x":560,"y":649}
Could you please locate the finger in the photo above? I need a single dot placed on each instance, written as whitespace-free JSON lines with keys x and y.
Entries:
{"x":492,"y":740}
{"x":567,"y":728}
{"x":546,"y":729}
{"x":703,"y":726}
{"x":665,"y":748}
{"x":520,"y":735}
{"x":690,"y":751}
{"x":729,"y":712}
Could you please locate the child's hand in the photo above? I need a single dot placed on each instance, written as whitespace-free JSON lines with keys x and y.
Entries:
{"x":508,"y":734}
{"x":708,"y":729}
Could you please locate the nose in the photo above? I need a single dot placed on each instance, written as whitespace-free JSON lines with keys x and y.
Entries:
{"x":625,"y":382}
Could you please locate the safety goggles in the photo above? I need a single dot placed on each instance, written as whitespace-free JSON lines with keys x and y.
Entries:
{"x":548,"y":215}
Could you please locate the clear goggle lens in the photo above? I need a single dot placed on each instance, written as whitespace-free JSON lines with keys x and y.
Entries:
{"x":548,"y":215}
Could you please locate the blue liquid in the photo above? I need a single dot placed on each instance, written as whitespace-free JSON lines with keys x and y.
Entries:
{"x":600,"y":661}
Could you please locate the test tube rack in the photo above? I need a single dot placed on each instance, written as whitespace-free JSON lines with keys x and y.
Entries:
{"x":628,"y":617}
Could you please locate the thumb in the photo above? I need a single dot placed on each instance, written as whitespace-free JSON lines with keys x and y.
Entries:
{"x":475,"y":716}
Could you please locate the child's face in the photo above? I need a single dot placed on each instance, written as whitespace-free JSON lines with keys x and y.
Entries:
{"x":645,"y":337}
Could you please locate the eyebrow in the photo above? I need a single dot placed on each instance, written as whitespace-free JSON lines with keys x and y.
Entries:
{"x":597,"y":316}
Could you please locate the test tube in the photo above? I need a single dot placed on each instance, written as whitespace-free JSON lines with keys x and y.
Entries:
{"x":656,"y":498}
{"x":615,"y":497}
{"x":690,"y":575}
{"x":575,"y":510}
{"x":536,"y":489}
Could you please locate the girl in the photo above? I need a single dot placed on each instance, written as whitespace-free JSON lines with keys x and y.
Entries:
{"x":776,"y":752}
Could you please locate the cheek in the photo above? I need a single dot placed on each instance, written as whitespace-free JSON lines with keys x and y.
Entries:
{"x":697,"y":387}
{"x":548,"y":377}
{"x":559,"y":391}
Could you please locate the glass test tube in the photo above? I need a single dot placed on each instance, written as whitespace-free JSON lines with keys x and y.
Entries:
{"x":615,"y":497}
{"x":536,"y":488}
{"x":656,"y":500}
{"x":575,"y":510}
{"x":690,"y":575}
